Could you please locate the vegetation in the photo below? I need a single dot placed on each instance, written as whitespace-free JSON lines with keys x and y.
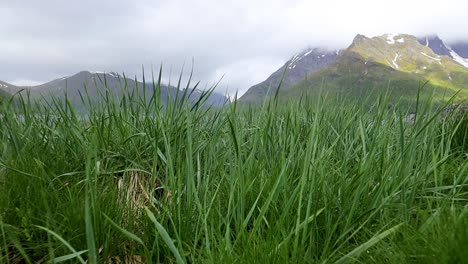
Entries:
{"x":313,"y":181}
{"x":3,"y":96}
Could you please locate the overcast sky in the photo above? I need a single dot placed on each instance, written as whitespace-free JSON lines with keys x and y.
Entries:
{"x":244,"y":40}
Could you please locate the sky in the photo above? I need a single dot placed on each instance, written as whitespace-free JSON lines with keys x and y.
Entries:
{"x":239,"y":43}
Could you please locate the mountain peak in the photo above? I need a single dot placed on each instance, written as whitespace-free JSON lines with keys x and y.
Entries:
{"x":390,"y":39}
{"x":358,"y":39}
{"x":426,"y":40}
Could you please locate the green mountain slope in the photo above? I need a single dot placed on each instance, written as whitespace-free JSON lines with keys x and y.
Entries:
{"x":399,"y":63}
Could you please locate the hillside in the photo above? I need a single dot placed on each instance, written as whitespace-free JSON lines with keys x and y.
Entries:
{"x":96,"y":84}
{"x":457,"y":51}
{"x":461,"y":48}
{"x":295,"y":70}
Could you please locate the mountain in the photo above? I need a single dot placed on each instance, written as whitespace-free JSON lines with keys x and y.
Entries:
{"x":461,"y":48}
{"x":396,"y":61}
{"x":399,"y":62}
{"x":459,"y":53}
{"x":5,"y":87}
{"x":435,"y":44}
{"x":295,"y":70}
{"x":95,"y":84}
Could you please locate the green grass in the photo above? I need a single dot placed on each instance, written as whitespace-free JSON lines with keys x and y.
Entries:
{"x":304,"y":182}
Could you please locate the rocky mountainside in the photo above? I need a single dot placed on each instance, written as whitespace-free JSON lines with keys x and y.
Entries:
{"x":95,"y":84}
{"x":398,"y":62}
{"x":459,"y":53}
{"x":461,"y":48}
{"x":435,"y":44}
{"x":294,"y":70}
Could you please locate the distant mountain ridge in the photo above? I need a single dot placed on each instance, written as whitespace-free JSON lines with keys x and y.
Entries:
{"x":95,"y":84}
{"x":459,"y":53}
{"x":369,"y":66}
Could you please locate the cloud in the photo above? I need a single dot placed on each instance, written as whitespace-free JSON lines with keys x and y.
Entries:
{"x":23,"y":82}
{"x":243,"y":40}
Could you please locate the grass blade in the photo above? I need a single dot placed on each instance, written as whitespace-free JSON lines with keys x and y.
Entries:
{"x":351,"y":256}
{"x":65,"y":243}
{"x":165,"y":236}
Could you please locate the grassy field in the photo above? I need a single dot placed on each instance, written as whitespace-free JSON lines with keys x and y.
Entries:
{"x":307,"y":182}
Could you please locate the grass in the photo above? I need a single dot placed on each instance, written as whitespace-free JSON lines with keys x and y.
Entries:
{"x":309,"y":181}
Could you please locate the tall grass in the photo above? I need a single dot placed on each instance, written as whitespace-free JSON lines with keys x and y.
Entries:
{"x":313,"y":181}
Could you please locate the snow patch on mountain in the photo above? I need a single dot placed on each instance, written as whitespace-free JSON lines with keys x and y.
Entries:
{"x":436,"y":59}
{"x":294,"y":59}
{"x":391,"y":38}
{"x":113,"y":74}
{"x":394,"y":61}
{"x":307,"y":53}
{"x":3,"y":85}
{"x":97,"y":72}
{"x":297,"y":57}
{"x":458,"y":58}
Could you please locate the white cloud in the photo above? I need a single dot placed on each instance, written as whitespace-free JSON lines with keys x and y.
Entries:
{"x":23,"y":82}
{"x":254,"y":69}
